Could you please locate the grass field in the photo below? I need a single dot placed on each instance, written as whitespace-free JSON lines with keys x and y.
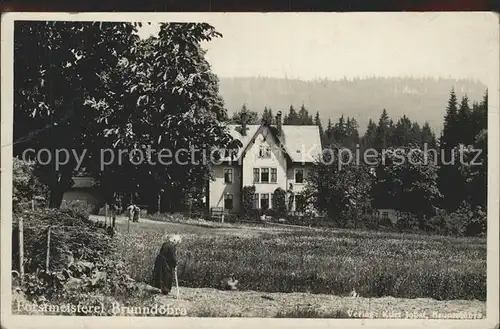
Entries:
{"x":314,"y":261}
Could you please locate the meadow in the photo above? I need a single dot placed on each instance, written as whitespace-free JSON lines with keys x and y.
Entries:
{"x":317,"y":261}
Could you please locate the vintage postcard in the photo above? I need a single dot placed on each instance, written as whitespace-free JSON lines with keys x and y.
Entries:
{"x":266,"y":169}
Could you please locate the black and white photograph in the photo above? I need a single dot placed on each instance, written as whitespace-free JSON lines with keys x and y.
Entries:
{"x":298,"y":167}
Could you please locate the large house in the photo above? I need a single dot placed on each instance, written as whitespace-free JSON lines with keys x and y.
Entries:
{"x":271,"y":157}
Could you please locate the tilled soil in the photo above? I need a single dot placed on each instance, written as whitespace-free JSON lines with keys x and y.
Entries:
{"x":217,"y":303}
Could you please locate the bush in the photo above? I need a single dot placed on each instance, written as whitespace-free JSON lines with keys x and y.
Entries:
{"x":279,"y":202}
{"x":463,"y":222}
{"x":72,"y":236}
{"x":247,"y":201}
{"x":25,"y":185}
{"x":82,"y":208}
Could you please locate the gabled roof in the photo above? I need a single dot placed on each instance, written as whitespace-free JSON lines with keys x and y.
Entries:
{"x":301,"y":143}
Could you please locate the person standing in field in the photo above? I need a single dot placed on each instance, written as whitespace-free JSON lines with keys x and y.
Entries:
{"x":165,"y":264}
{"x":133,"y":213}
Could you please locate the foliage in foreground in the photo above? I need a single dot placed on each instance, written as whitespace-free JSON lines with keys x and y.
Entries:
{"x":72,"y":236}
{"x":327,"y":261}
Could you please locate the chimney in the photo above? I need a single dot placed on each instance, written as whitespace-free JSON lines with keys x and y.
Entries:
{"x":243,"y":124}
{"x":278,"y":121}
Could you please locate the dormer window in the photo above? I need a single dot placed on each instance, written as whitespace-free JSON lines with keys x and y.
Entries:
{"x":264,"y":151}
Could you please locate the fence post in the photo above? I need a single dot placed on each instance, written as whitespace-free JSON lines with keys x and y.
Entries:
{"x":21,"y":250}
{"x":159,"y":201}
{"x":32,"y":204}
{"x":48,"y":251}
{"x":106,"y":215}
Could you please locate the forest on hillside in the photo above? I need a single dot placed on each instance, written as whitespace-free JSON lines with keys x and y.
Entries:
{"x":448,"y":179}
{"x":422,"y":99}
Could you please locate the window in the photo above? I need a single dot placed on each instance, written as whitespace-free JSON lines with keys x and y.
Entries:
{"x":228,"y":175}
{"x":255,"y":201}
{"x":274,"y":175}
{"x":264,"y":151}
{"x":256,"y":175}
{"x":228,"y":201}
{"x":264,"y":201}
{"x":385,"y":214}
{"x":299,"y":176}
{"x":264,"y":175}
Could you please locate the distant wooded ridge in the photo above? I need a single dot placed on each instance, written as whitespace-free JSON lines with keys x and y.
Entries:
{"x":421,"y":99}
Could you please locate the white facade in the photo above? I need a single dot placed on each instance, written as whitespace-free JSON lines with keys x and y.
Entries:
{"x":263,"y":164}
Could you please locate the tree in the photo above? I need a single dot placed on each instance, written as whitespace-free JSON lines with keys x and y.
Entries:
{"x":402,"y":132}
{"x":415,"y":133}
{"x":292,"y":118}
{"x":245,"y":115}
{"x":317,"y":122}
{"x":58,"y":66}
{"x":267,"y":116}
{"x":171,"y":102}
{"x":463,"y":122}
{"x":427,"y":137}
{"x":450,"y":136}
{"x":368,"y":139}
{"x":342,"y":191}
{"x":25,"y":185}
{"x":450,"y":179}
{"x":329,"y":133}
{"x":303,"y":117}
{"x":340,"y":130}
{"x":381,"y":134}
{"x":408,"y":177}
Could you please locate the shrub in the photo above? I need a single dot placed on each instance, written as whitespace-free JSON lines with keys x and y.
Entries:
{"x":25,"y":185}
{"x":72,"y":236}
{"x":80,"y":207}
{"x":247,"y":202}
{"x":279,"y":202}
{"x":463,"y":222}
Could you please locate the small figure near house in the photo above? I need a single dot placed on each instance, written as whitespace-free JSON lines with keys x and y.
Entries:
{"x":165,"y":264}
{"x":133,"y":213}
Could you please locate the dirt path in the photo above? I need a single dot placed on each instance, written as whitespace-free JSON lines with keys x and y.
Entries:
{"x":212,"y":302}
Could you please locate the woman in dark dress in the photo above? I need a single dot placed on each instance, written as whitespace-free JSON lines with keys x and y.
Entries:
{"x":165,"y":264}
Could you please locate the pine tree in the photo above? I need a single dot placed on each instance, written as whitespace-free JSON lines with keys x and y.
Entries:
{"x":329,"y":133}
{"x":303,"y":116}
{"x":292,"y":118}
{"x":427,"y":137}
{"x":450,"y":180}
{"x":450,"y":137}
{"x":317,"y":122}
{"x":340,"y":131}
{"x":352,"y":133}
{"x":382,"y":131}
{"x":271,"y":116}
{"x":267,"y":116}
{"x":368,"y":139}
{"x":251,"y":117}
{"x":463,"y":122}
{"x":415,"y":133}
{"x":402,"y":130}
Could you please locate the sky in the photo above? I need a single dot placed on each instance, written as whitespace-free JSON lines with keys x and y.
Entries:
{"x":335,"y":45}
